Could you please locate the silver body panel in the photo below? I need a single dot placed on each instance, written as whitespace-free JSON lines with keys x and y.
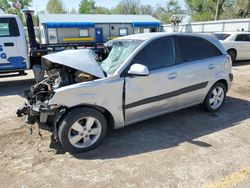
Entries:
{"x":163,"y":90}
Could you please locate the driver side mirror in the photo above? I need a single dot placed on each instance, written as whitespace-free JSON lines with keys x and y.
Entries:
{"x":139,"y":70}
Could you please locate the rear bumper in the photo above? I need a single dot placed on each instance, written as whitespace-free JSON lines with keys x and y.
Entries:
{"x":231,"y":77}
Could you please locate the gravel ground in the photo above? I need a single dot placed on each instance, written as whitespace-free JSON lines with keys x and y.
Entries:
{"x":188,"y":148}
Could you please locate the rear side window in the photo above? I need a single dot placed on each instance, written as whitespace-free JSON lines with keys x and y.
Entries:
{"x":8,"y":27}
{"x":243,"y":37}
{"x":194,"y":48}
{"x":157,"y":54}
{"x":221,"y":36}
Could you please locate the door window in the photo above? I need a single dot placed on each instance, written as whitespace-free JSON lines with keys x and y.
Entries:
{"x":8,"y":27}
{"x":194,"y":48}
{"x":243,"y":37}
{"x":157,"y":54}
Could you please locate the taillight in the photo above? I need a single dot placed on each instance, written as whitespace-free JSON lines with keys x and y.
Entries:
{"x":228,"y":63}
{"x":229,"y":59}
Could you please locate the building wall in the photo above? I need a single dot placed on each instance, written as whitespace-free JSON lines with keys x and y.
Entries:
{"x":72,"y":33}
{"x":215,"y":26}
{"x":109,"y":31}
{"x":116,"y":29}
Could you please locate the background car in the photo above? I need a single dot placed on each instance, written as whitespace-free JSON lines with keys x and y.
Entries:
{"x":237,"y":44}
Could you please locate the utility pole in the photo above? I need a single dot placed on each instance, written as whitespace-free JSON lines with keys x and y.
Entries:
{"x":216,"y":13}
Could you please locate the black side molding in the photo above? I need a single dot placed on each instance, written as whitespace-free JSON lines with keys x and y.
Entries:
{"x":167,"y":95}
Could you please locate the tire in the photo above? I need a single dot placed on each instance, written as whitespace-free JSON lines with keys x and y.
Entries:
{"x":210,"y":103}
{"x":232,"y":54}
{"x":82,"y":129}
{"x":22,"y":73}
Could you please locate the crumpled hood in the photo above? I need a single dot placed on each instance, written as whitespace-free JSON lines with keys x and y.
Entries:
{"x":83,"y":60}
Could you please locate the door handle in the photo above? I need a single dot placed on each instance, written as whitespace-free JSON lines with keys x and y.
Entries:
{"x":172,"y":76}
{"x":8,"y":44}
{"x":211,"y":66}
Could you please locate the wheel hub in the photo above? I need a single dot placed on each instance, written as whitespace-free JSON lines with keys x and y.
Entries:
{"x":84,"y":132}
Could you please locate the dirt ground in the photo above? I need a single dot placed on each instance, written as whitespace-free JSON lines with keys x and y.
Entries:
{"x":189,"y":148}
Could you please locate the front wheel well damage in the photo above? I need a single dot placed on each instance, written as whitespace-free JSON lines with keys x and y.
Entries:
{"x":108,"y":116}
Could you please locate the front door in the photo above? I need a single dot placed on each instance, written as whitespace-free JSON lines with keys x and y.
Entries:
{"x":147,"y":96}
{"x":98,"y":35}
{"x":9,"y":54}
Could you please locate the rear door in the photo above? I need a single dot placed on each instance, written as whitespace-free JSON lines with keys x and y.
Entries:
{"x":147,"y":96}
{"x":10,"y":58}
{"x":198,"y":61}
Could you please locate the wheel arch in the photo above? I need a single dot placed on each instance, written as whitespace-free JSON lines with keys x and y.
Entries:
{"x":223,"y":81}
{"x":108,"y":116}
{"x":233,"y":49}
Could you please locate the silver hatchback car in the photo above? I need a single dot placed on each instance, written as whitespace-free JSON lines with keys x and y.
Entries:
{"x":144,"y":76}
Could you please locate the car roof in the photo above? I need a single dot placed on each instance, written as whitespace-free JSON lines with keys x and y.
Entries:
{"x":233,"y":32}
{"x":151,"y":36}
{"x":146,"y":36}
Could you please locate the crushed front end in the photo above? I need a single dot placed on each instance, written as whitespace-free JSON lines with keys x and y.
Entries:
{"x":36,"y":107}
{"x":61,"y":71}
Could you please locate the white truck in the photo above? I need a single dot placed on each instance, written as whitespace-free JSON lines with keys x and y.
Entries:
{"x":18,"y":55}
{"x":13,"y":46}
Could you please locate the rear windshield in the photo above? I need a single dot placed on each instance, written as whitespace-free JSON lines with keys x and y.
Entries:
{"x":221,"y":36}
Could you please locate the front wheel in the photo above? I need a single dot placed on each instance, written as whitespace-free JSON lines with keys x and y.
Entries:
{"x":82,"y":129}
{"x":215,"y":97}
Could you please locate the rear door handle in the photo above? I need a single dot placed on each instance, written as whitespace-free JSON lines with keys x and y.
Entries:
{"x":172,"y":76}
{"x":8,"y":44}
{"x":211,"y":66}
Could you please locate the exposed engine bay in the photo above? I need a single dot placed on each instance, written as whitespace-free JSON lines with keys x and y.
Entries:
{"x":39,"y":95}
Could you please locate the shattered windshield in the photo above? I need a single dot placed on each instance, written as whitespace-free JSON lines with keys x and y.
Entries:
{"x":120,"y":50}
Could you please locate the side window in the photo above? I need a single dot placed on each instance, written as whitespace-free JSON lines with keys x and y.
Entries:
{"x":210,"y":50}
{"x":52,"y":35}
{"x":194,"y":48}
{"x":8,"y":27}
{"x":83,"y":32}
{"x":123,"y":31}
{"x":243,"y":37}
{"x":157,"y":54}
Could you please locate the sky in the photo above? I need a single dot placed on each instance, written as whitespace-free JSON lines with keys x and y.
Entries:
{"x":39,"y":5}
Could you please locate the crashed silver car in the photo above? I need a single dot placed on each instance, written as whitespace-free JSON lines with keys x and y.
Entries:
{"x":144,"y":76}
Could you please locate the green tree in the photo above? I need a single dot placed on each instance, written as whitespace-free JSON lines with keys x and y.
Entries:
{"x":164,"y":13}
{"x":146,"y":9}
{"x":13,"y":6}
{"x":127,"y":7}
{"x":101,"y":10}
{"x":73,"y":11}
{"x":205,"y":10}
{"x":87,"y":7}
{"x":55,"y":7}
{"x":242,"y":8}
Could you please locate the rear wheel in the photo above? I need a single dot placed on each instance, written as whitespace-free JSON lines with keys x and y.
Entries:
{"x":82,"y":129}
{"x":215,"y":97}
{"x":232,"y":54}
